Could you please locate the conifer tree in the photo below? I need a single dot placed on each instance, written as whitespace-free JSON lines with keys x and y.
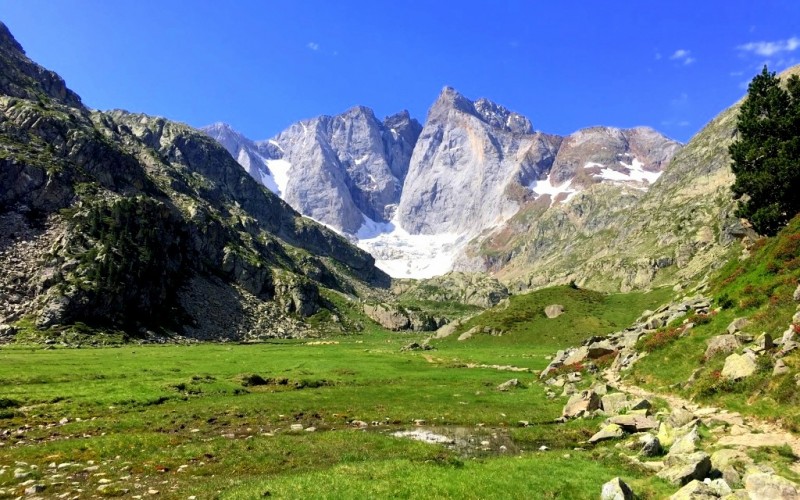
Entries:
{"x":766,"y":153}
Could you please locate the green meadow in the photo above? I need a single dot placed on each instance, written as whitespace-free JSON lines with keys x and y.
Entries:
{"x":232,"y":421}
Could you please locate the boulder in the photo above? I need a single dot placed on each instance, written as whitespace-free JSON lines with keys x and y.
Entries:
{"x":681,"y":469}
{"x":695,"y":490}
{"x":788,"y":335}
{"x":796,"y":294}
{"x":666,"y":434}
{"x":764,"y":342}
{"x":610,"y":431}
{"x":728,"y":457}
{"x":614,"y":403}
{"x":738,"y":366}
{"x":651,"y":446}
{"x":577,"y":356}
{"x":554,"y":310}
{"x":508,"y":384}
{"x":766,"y":486}
{"x":780,"y":368}
{"x":580,"y":404}
{"x":600,"y":349}
{"x":737,"y":325}
{"x":640,"y":404}
{"x":685,"y":444}
{"x":724,"y":344}
{"x":616,"y":489}
{"x":635,"y":423}
{"x":679,"y":417}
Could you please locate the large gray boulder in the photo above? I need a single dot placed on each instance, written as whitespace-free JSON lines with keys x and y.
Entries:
{"x":681,"y":469}
{"x":616,"y":489}
{"x":766,"y":486}
{"x":581,"y":403}
{"x":553,"y":311}
{"x":738,"y":366}
{"x":610,"y":431}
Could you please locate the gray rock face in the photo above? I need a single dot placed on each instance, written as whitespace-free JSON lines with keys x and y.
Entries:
{"x":340,"y":168}
{"x":21,"y":77}
{"x":348,"y":165}
{"x":469,"y":166}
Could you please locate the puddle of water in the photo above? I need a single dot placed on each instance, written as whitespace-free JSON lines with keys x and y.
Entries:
{"x":469,"y":441}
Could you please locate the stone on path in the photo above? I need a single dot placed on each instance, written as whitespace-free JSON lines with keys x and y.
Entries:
{"x":766,"y":486}
{"x":680,"y":469}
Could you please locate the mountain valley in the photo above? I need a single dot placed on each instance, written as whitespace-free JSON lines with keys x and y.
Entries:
{"x":464,"y":307}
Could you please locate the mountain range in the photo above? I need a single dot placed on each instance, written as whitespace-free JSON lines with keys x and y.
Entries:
{"x":142,"y":224}
{"x":425,"y":200}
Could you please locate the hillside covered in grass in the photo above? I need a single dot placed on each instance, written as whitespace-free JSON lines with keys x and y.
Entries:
{"x":761,"y":292}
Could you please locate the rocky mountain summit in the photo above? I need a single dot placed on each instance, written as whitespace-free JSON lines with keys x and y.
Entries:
{"x":334,"y":169}
{"x":415,"y":196}
{"x":126,"y":221}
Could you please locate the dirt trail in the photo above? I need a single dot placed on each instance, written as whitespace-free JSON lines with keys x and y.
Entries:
{"x":744,"y":431}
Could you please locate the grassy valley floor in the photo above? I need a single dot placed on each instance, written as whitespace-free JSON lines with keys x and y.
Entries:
{"x":233,"y":421}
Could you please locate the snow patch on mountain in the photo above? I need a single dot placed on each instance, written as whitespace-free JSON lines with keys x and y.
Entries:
{"x":279,"y":170}
{"x":634,"y":172}
{"x":546,"y":187}
{"x":404,"y":255}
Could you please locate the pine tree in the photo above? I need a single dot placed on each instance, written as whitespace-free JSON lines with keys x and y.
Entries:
{"x":766,"y":154}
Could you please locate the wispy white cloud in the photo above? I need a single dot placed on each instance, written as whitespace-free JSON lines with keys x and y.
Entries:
{"x":683,"y":56}
{"x":313,"y":45}
{"x":769,"y":49}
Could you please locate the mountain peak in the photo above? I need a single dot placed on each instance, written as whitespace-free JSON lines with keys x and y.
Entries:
{"x":23,"y":78}
{"x":450,"y":98}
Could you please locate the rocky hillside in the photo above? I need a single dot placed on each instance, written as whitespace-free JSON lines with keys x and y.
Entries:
{"x":129,"y":222}
{"x":618,"y":237}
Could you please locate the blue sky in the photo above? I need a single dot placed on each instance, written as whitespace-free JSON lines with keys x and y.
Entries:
{"x":262,"y":65}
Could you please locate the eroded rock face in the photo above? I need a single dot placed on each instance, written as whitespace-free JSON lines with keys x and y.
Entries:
{"x":468,"y":162}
